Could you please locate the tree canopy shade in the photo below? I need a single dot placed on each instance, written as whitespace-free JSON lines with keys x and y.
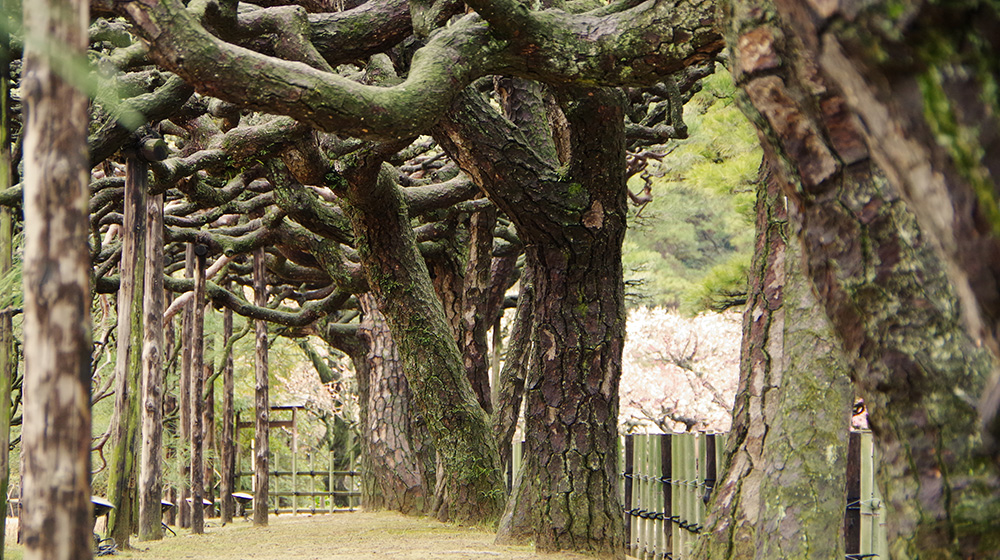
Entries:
{"x":348,"y":152}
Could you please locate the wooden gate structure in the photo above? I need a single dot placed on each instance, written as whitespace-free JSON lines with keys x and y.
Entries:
{"x":293,"y":487}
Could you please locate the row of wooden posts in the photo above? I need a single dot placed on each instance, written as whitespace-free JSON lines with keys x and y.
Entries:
{"x":667,"y":479}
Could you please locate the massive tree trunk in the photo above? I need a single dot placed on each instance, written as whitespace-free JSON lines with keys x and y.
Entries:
{"x":262,"y":411}
{"x":886,"y":294}
{"x":572,"y":224}
{"x":123,"y":470}
{"x":471,"y":487}
{"x":151,"y":471}
{"x":56,"y":519}
{"x":196,"y":389}
{"x":782,"y":494}
{"x":396,"y":459}
{"x":922,"y":78}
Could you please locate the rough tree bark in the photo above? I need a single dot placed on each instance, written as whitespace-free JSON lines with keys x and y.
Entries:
{"x":56,"y":519}
{"x":470,"y":484}
{"x":123,"y":470}
{"x":886,"y":294}
{"x":196,"y":389}
{"x":475,"y":294}
{"x":921,"y":77}
{"x":395,"y":472}
{"x":151,"y":471}
{"x":572,"y":224}
{"x":782,"y":494}
{"x":262,"y":411}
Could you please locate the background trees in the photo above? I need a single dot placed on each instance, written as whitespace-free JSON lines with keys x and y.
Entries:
{"x":414,"y":152}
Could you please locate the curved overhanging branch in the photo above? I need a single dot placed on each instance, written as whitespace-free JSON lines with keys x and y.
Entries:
{"x":328,"y":102}
{"x":633,"y":47}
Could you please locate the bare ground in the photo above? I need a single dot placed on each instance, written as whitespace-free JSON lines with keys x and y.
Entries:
{"x":338,"y":536}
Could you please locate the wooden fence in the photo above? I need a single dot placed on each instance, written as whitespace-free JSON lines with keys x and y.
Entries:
{"x":667,"y":480}
{"x":317,"y":489}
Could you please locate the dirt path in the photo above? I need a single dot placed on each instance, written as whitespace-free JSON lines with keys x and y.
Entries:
{"x":340,"y":536}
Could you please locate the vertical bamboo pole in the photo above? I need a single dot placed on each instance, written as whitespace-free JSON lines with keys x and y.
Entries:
{"x":197,"y":390}
{"x":852,"y":518}
{"x":639,"y":464}
{"x":629,"y":485}
{"x":697,"y":488}
{"x":656,"y":497}
{"x":261,"y":406}
{"x":867,"y":512}
{"x":666,"y":474}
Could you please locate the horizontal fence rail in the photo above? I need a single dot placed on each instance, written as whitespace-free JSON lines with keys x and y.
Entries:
{"x":667,"y":480}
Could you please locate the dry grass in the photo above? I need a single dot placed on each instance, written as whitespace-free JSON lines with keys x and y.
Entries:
{"x":340,"y":536}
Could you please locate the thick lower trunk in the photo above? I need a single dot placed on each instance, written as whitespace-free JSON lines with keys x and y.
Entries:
{"x":472,"y":487}
{"x":123,"y":470}
{"x":56,"y":519}
{"x":571,"y":218}
{"x":782,"y":494}
{"x":394,"y":471}
{"x":151,"y":455}
{"x":262,"y":428}
{"x":887,"y":296}
{"x":569,"y":499}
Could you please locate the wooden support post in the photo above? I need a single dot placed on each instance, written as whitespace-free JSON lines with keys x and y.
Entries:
{"x":261,"y":405}
{"x":184,"y":399}
{"x":228,"y":475}
{"x":56,"y":519}
{"x":151,"y":455}
{"x":197,"y":389}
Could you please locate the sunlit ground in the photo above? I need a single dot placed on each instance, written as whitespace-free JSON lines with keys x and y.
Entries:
{"x":328,"y":537}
